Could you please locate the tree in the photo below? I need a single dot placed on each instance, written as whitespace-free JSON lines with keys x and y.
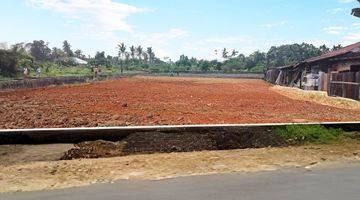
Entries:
{"x":337,"y":47}
{"x":100,"y":59}
{"x":23,"y":58}
{"x":356,"y":11}
{"x":139,"y":51}
{"x":122,"y":54}
{"x":132,"y":52}
{"x":127,"y":57}
{"x":13,"y":58}
{"x":225,"y":53}
{"x":324,"y":49}
{"x":57,"y":54}
{"x":145,"y":57}
{"x":67,"y":49}
{"x":8,"y":63}
{"x":234,"y":53}
{"x":122,"y":50}
{"x":79,"y":54}
{"x":151,"y":54}
{"x":183,"y":64}
{"x":291,"y":54}
{"x":39,"y":50}
{"x":204,"y":65}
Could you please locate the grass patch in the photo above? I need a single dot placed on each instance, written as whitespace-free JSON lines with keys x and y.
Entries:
{"x":300,"y":134}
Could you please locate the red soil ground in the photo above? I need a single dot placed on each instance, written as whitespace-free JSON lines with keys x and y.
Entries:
{"x":159,"y":101}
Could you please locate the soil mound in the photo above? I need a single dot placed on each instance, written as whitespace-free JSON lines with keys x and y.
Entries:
{"x":163,"y":142}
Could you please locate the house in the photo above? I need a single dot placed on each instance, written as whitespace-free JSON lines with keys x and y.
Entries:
{"x":337,"y":72}
{"x":79,"y":61}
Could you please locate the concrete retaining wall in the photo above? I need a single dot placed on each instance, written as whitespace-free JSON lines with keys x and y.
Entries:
{"x":75,"y":135}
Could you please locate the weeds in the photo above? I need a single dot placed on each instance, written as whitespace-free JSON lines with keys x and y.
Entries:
{"x":299,"y":134}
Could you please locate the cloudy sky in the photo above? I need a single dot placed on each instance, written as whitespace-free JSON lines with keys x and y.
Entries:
{"x":174,"y":27}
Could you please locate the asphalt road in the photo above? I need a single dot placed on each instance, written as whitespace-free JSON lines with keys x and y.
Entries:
{"x":341,"y":183}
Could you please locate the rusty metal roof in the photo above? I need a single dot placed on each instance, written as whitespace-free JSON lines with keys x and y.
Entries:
{"x":351,"y":48}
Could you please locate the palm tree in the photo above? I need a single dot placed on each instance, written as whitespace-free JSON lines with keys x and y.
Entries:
{"x":225,"y":53}
{"x":356,"y":11}
{"x":127,"y":57}
{"x":151,"y":54}
{"x":139,"y":51}
{"x":132,"y":52}
{"x":122,"y":51}
{"x":145,"y":56}
{"x":234,"y":53}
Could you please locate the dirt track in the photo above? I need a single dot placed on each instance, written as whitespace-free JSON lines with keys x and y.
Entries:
{"x":65,"y":174}
{"x":160,"y":101}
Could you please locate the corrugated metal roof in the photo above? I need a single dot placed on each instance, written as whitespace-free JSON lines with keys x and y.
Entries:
{"x":351,"y":48}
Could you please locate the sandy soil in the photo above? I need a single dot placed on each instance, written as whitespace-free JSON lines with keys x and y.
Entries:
{"x":63,"y":174}
{"x":15,"y":154}
{"x":161,"y":101}
{"x":317,"y":97}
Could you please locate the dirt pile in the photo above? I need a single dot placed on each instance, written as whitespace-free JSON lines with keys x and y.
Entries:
{"x":94,"y":149}
{"x":162,"y":142}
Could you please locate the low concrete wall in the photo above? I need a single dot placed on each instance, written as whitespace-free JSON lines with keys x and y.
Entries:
{"x":75,"y":135}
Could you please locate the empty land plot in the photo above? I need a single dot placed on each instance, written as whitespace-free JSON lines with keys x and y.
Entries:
{"x":161,"y":101}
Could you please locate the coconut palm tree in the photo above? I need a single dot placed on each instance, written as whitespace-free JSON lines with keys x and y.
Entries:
{"x":139,"y":51}
{"x":132,"y":52}
{"x":151,"y":54}
{"x":122,"y":50}
{"x":225,"y":53}
{"x":127,"y":57}
{"x":145,"y":57}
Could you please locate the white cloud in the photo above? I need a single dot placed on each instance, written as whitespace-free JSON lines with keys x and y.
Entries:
{"x":3,"y":45}
{"x":162,"y":42}
{"x":273,"y":25}
{"x":105,"y":15}
{"x":319,"y":43}
{"x":335,"y":10}
{"x":162,"y":38}
{"x":334,"y":30}
{"x":351,"y":38}
{"x":356,"y":25}
{"x":225,"y":40}
{"x":346,"y":1}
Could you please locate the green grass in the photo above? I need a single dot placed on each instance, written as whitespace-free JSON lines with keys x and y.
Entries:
{"x":52,"y":70}
{"x":300,"y":134}
{"x":3,"y":78}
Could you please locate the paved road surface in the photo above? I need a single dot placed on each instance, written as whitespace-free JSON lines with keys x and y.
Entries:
{"x":322,"y":184}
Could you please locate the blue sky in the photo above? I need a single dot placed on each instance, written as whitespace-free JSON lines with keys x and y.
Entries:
{"x":174,"y":27}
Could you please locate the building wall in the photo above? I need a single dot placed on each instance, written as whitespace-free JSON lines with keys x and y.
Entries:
{"x":345,"y":79}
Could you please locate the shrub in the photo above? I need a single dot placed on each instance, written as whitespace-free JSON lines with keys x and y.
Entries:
{"x":309,"y":134}
{"x":8,"y":63}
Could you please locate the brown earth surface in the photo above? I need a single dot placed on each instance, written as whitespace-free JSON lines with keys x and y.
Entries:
{"x":158,"y":142}
{"x":16,"y":154}
{"x":160,"y":101}
{"x":32,"y":176}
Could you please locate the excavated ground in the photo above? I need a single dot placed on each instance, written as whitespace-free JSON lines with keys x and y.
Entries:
{"x":160,"y":142}
{"x":160,"y":101}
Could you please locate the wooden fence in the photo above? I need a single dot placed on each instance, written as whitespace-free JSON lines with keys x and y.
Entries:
{"x":345,"y":85}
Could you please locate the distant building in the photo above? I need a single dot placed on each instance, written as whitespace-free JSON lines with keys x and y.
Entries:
{"x":337,"y":72}
{"x":79,"y":61}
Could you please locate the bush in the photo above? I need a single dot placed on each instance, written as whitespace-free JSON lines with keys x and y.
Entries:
{"x":8,"y":63}
{"x":309,"y":134}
